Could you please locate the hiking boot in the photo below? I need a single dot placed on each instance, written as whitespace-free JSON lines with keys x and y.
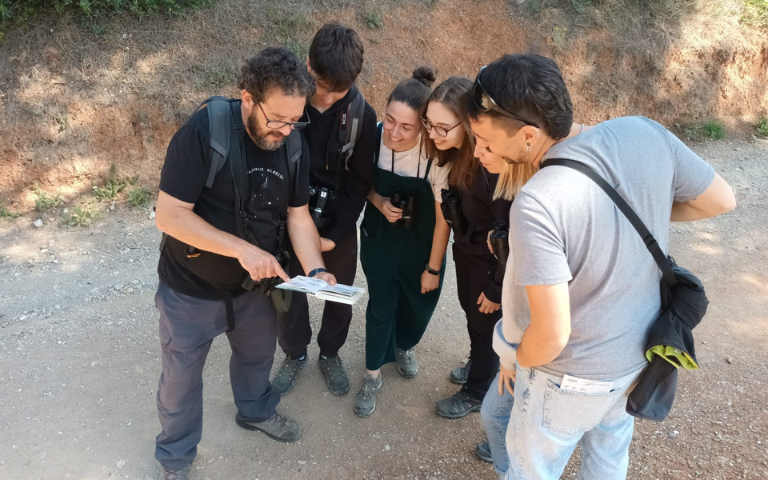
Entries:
{"x":278,"y":427}
{"x":168,"y":474}
{"x":459,"y":375}
{"x":458,"y":405}
{"x":285,"y":378}
{"x":336,"y":377}
{"x":483,"y":452}
{"x":365,"y":400}
{"x":407,"y":364}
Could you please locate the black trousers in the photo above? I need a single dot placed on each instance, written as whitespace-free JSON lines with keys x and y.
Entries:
{"x":293,"y":328}
{"x":472,"y":275}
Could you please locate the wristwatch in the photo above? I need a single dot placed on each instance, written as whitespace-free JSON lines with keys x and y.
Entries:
{"x":431,"y":270}
{"x":316,"y":271}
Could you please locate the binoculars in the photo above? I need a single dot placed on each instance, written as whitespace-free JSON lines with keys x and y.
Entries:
{"x":266,"y":285}
{"x":500,"y":245}
{"x":318,"y":202}
{"x":407,"y":204}
{"x":452,"y":213}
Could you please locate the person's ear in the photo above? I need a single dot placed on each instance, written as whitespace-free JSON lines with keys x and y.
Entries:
{"x":530,"y":133}
{"x":246,"y":97}
{"x":309,"y":67}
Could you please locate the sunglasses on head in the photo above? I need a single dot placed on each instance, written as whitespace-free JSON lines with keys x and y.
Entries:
{"x":486,"y":103}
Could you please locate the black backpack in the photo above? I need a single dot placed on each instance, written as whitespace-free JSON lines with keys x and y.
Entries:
{"x":350,"y":126}
{"x":225,"y":125}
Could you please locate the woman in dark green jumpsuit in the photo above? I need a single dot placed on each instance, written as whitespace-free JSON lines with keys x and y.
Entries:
{"x":402,"y":247}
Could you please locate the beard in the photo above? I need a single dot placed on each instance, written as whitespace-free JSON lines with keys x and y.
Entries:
{"x":265,"y":138}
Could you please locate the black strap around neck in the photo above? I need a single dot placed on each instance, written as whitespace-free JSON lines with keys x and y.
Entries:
{"x":648,"y":240}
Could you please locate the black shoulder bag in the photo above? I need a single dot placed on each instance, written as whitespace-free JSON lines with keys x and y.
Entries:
{"x":683,"y":303}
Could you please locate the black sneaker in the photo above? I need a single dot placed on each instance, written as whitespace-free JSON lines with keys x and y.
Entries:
{"x":336,"y":377}
{"x":285,"y":378}
{"x":459,"y":375}
{"x":278,"y":427}
{"x":458,"y":405}
{"x":168,"y":474}
{"x":483,"y":452}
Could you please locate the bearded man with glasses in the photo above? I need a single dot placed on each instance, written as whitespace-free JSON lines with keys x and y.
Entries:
{"x":235,"y":179}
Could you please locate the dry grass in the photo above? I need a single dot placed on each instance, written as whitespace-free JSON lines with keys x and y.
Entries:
{"x":75,"y":97}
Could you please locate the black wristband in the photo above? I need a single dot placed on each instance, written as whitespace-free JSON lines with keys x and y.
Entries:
{"x":316,"y":271}
{"x":431,"y":271}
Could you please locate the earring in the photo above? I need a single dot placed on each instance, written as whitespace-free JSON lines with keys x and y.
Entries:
{"x":529,"y":147}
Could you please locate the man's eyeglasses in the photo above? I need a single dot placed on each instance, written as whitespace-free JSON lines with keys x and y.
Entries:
{"x":486,"y":103}
{"x":278,"y":124}
{"x":441,"y":131}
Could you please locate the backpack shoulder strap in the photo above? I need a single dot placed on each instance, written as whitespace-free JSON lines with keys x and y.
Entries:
{"x":353,"y":124}
{"x":642,"y":230}
{"x":379,"y":129}
{"x":220,"y":127}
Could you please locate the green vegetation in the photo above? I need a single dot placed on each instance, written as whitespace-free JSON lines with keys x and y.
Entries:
{"x":113,"y":185}
{"x":5,"y":213}
{"x":80,"y":217}
{"x":139,"y":197}
{"x":755,"y":13}
{"x":44,"y":201}
{"x":712,"y":129}
{"x":20,"y":11}
{"x":762,"y":127}
{"x":373,"y":20}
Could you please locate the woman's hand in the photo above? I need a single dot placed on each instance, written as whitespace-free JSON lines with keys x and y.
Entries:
{"x":506,"y":380}
{"x":429,"y":282}
{"x":486,"y":306}
{"x":488,"y":241}
{"x":391,"y":212}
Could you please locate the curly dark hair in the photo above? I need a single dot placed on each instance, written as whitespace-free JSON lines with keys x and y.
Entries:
{"x":275,"y":67}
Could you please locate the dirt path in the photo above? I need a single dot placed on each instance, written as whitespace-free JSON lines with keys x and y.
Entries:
{"x":79,"y":362}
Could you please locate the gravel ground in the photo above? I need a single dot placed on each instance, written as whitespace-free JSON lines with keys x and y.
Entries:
{"x":80,"y":359}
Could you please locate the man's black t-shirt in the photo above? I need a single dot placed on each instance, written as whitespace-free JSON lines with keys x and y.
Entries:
{"x":185,"y":171}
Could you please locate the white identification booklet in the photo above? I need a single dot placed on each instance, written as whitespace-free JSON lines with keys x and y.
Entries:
{"x":322,"y":290}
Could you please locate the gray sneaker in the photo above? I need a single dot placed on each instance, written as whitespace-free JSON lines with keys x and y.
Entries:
{"x":336,"y":377}
{"x":285,"y":378}
{"x":365,"y":400}
{"x":407,"y":364}
{"x":168,"y":474}
{"x":459,"y":375}
{"x":483,"y":452}
{"x":278,"y":427}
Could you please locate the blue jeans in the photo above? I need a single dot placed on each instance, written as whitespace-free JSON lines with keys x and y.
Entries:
{"x":547,"y":422}
{"x":495,"y":415}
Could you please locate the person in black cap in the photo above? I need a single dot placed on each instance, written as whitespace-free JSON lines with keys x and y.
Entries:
{"x":341,"y":139}
{"x":234,"y":184}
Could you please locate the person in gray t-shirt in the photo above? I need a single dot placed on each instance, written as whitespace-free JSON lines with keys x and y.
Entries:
{"x":580,"y":290}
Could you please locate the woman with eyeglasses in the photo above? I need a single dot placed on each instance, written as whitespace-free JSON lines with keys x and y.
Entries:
{"x":403,"y":239}
{"x":470,"y":207}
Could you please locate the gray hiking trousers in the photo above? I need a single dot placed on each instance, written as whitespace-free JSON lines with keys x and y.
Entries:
{"x":188,"y":325}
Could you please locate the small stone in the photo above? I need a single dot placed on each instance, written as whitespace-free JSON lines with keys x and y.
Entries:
{"x":118,"y":287}
{"x":386,"y":448}
{"x":728,"y":360}
{"x":674,"y":434}
{"x":38,"y":223}
{"x":152,"y":215}
{"x":57,"y":307}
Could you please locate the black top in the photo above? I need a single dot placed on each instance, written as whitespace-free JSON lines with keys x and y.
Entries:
{"x":482,"y":211}
{"x":327,"y":169}
{"x":183,"y":177}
